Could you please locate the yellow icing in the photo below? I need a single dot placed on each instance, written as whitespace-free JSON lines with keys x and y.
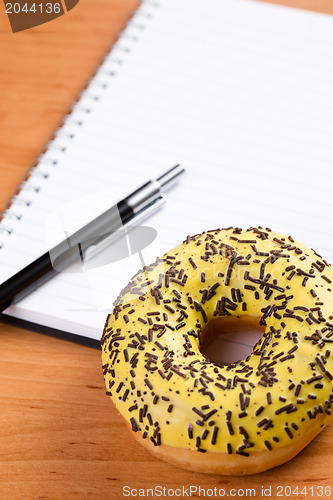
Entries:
{"x":128,"y":343}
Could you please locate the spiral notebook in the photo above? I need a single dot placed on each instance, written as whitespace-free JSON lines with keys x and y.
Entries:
{"x":239,"y":92}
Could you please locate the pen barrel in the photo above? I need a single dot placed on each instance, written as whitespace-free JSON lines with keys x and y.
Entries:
{"x":69,"y":252}
{"x":26,"y":280}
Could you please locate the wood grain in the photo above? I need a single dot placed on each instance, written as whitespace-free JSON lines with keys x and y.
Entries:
{"x":60,"y":436}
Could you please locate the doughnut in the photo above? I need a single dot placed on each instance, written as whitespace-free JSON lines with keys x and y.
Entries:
{"x":235,"y":418}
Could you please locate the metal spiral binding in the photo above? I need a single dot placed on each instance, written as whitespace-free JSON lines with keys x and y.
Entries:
{"x":41,"y":169}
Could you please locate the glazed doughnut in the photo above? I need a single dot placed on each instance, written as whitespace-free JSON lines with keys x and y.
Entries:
{"x":239,"y":418}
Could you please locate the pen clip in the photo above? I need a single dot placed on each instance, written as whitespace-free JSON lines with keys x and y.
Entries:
{"x":147,"y":210}
{"x":128,"y":240}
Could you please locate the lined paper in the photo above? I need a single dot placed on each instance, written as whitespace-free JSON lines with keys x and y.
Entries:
{"x":238,"y":92}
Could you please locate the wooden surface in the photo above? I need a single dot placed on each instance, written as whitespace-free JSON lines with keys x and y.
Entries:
{"x":60,"y":436}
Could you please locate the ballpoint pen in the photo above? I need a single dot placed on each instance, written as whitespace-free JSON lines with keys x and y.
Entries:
{"x":75,"y":246}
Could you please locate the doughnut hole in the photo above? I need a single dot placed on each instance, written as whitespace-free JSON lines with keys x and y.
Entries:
{"x":227,"y":339}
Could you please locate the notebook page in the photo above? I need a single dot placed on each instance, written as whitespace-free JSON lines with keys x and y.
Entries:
{"x":239,"y":92}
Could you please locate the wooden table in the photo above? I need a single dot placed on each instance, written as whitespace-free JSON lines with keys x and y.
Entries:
{"x":60,"y":436}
